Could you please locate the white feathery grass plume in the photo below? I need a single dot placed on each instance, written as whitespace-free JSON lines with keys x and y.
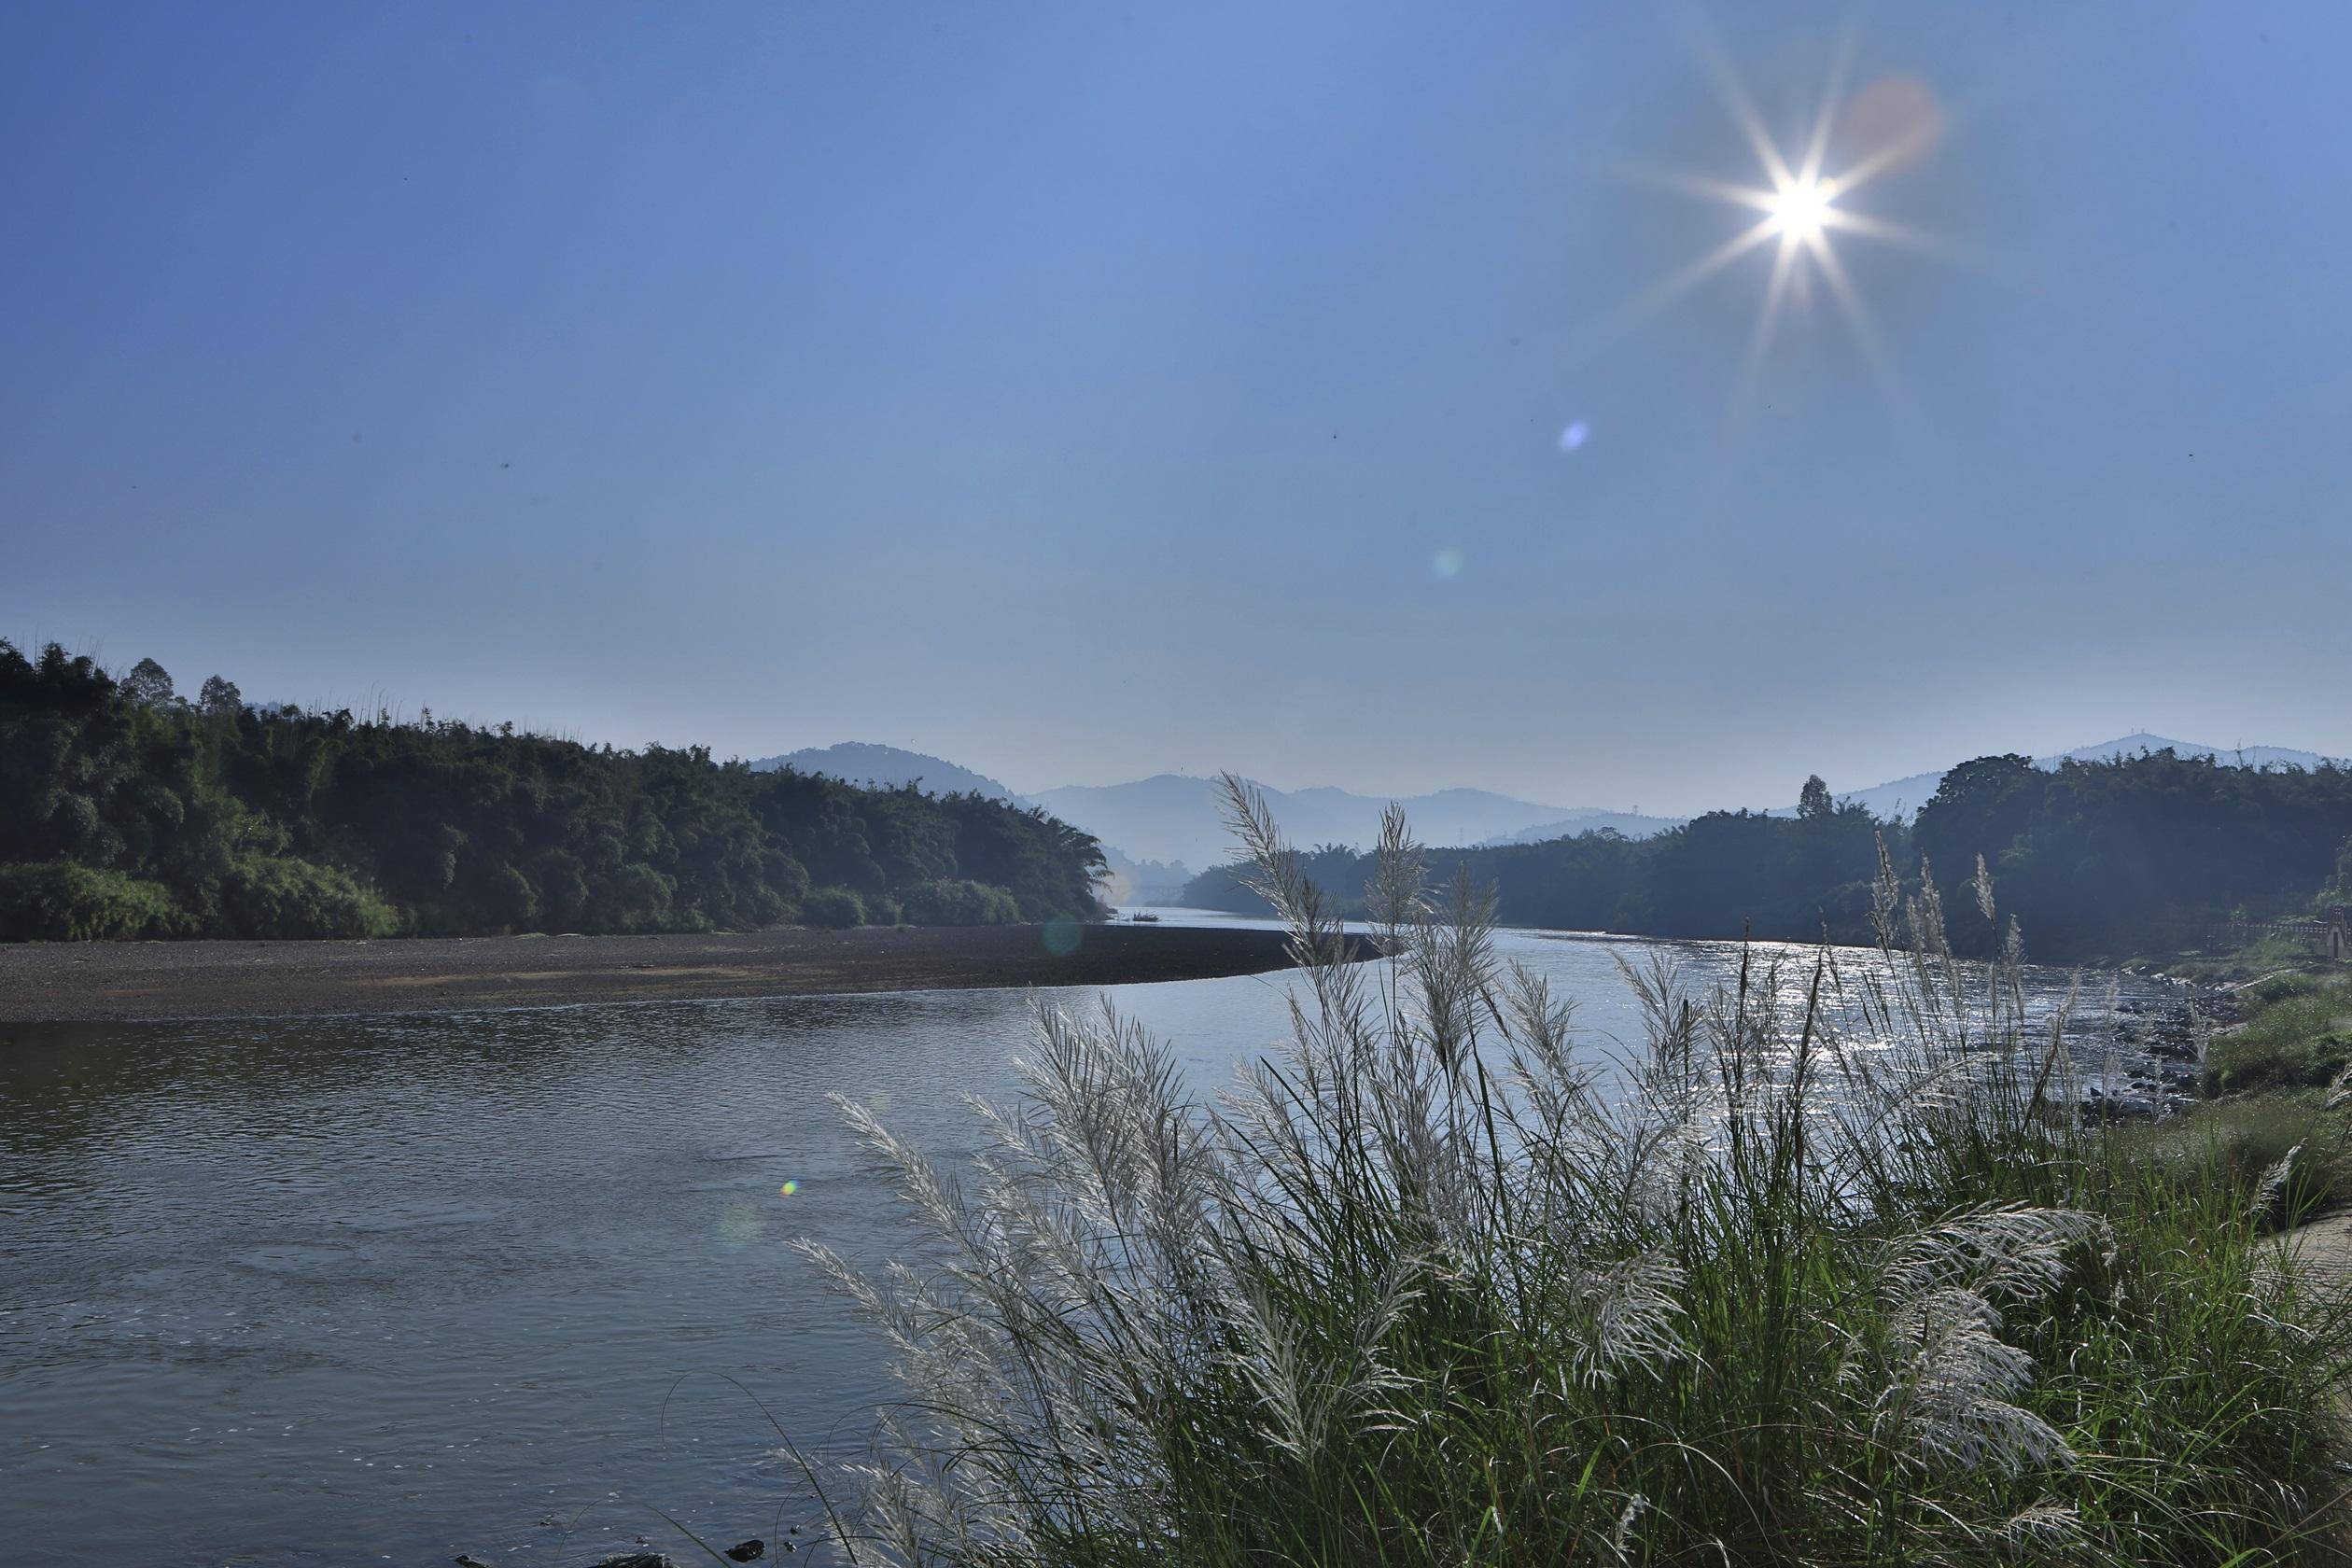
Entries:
{"x":1268,"y":1358}
{"x":1453,"y":969}
{"x":1652,"y":1148}
{"x":2065,"y":1085}
{"x":2010,"y":1253}
{"x":933,"y":1197}
{"x":2112,"y":1078}
{"x":2047,"y":1526}
{"x":1887,"y":898}
{"x":1947,"y":1396}
{"x":2273,"y":1181}
{"x":1370,"y":1378}
{"x":1395,"y":898}
{"x":1947,"y":1400}
{"x":1634,"y":1314}
{"x":1272,"y":870}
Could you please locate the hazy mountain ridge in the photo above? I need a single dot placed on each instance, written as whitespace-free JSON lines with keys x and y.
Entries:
{"x":1630,"y":824}
{"x":1154,"y":830}
{"x":1177,"y":817}
{"x":887,"y":767}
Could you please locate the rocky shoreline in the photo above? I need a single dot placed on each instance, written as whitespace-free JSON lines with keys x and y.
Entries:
{"x":2161,"y":1047}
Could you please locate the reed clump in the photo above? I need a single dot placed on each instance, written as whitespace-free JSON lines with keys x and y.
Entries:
{"x":1828,"y":1269}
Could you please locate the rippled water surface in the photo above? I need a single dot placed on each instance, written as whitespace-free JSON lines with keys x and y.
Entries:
{"x":386,"y":1289}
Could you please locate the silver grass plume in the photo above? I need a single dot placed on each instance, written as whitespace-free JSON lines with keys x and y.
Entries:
{"x":2274,"y":1182}
{"x":1951,"y":1374}
{"x":1634,"y":1312}
{"x":2047,"y":1526}
{"x":1948,"y":1402}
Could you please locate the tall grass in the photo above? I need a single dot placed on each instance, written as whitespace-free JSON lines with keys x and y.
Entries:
{"x":1438,"y":1286}
{"x":2297,"y":1033}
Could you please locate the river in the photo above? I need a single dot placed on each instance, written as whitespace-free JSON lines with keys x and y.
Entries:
{"x":391,"y":1288}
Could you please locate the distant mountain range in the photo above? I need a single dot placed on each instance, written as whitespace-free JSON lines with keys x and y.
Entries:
{"x":1180,"y":817}
{"x":1154,"y":830}
{"x":887,"y":768}
{"x":1625,"y":824}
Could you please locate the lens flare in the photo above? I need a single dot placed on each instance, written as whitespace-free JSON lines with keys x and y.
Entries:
{"x":789,"y":1188}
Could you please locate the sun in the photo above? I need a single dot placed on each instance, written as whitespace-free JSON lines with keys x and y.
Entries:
{"x":1798,"y":208}
{"x":1801,"y":210}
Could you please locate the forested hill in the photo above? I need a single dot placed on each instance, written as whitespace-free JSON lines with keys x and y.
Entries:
{"x":127,"y":811}
{"x":2093,"y":857}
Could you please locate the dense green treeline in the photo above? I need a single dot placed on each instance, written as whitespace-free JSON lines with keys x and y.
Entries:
{"x":128,"y":812}
{"x":2146,"y":851}
{"x":2104,"y":857}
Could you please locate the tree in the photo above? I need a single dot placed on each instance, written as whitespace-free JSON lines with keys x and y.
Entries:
{"x":833,"y":909}
{"x":2340,"y":890}
{"x":1813,"y":804}
{"x":149,"y":685}
{"x":1982,"y":807}
{"x":218,"y":696}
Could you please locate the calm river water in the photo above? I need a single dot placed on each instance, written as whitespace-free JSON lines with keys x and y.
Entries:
{"x":386,"y":1289}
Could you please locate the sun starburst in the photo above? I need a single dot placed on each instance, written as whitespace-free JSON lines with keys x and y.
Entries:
{"x":1801,"y":210}
{"x":1799,"y":207}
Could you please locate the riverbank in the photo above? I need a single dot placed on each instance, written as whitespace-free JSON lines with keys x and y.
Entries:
{"x":142,"y":981}
{"x":2269,"y":1080}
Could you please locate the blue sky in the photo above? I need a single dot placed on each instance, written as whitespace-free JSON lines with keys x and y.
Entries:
{"x":1079,"y":392}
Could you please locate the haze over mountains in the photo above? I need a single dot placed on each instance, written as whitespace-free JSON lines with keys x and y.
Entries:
{"x":1177,"y":817}
{"x":1156,"y":831}
{"x":887,"y":768}
{"x":1629,"y":824}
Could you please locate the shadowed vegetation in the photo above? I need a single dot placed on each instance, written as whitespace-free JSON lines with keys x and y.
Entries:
{"x":127,"y":812}
{"x":2297,"y":1033}
{"x":2143,"y":853}
{"x":2284,"y":1079}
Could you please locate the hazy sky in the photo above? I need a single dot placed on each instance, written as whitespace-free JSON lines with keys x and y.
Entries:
{"x":1080,"y":392}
